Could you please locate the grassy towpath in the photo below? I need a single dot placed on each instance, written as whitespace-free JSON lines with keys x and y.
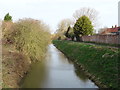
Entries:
{"x":98,"y":60}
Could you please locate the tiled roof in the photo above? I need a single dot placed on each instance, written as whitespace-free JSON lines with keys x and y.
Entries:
{"x":110,"y":30}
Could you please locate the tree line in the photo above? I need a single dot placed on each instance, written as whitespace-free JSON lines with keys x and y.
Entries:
{"x":83,"y":23}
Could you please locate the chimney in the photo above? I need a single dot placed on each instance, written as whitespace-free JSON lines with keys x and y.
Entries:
{"x":115,"y":26}
{"x":112,"y":26}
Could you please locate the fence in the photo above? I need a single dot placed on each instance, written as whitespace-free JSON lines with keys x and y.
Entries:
{"x":110,"y":39}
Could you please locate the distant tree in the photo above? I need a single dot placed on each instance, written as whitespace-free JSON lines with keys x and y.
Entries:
{"x":101,"y":30}
{"x":83,"y":26}
{"x":7,"y":17}
{"x":69,"y":33}
{"x":91,"y":13}
{"x":63,"y":26}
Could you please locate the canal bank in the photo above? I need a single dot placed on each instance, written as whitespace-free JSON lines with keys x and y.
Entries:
{"x":56,"y":71}
{"x":23,"y":43}
{"x":99,"y":63}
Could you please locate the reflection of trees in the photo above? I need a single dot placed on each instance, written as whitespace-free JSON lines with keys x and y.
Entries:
{"x":70,"y":62}
{"x":80,"y":73}
{"x":36,"y":76}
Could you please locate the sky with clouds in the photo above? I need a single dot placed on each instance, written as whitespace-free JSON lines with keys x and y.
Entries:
{"x":53,"y":11}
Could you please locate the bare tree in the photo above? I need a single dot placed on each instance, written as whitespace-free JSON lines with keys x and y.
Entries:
{"x":91,"y":13}
{"x":63,"y":26}
{"x":102,"y":30}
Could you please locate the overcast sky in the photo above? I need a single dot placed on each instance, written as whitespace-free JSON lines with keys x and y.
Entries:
{"x":52,"y":11}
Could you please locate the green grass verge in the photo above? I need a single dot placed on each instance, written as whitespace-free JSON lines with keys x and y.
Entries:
{"x":100,"y":61}
{"x":103,"y":44}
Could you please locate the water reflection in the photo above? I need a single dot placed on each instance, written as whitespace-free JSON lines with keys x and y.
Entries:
{"x":56,"y":71}
{"x":36,"y":76}
{"x":80,"y":74}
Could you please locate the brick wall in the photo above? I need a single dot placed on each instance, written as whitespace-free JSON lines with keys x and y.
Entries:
{"x":111,"y":39}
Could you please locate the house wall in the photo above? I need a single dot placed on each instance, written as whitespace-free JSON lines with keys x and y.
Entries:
{"x":110,"y":39}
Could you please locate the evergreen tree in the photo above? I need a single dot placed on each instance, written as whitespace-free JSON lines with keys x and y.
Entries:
{"x":83,"y":26}
{"x":7,"y":17}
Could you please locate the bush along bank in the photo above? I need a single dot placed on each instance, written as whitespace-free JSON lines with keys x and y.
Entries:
{"x":100,"y":63}
{"x":24,"y":42}
{"x":14,"y":66}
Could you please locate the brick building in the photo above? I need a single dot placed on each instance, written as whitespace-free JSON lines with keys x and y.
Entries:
{"x":113,"y":30}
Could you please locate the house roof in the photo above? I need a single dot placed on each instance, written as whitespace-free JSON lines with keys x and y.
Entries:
{"x":111,"y":30}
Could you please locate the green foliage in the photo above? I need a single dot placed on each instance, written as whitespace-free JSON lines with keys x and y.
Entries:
{"x":7,"y":17}
{"x":83,"y":26}
{"x":30,"y":37}
{"x":100,"y":61}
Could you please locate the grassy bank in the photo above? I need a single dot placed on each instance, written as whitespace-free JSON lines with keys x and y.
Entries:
{"x":24,"y":42}
{"x":99,"y":61}
{"x":103,"y":44}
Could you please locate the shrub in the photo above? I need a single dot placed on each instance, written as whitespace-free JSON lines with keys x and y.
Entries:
{"x":7,"y":17}
{"x":29,"y":36}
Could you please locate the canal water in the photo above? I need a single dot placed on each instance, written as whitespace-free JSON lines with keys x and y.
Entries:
{"x":56,"y":71}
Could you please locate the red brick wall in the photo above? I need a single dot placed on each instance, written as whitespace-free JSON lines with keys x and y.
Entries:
{"x":111,"y":39}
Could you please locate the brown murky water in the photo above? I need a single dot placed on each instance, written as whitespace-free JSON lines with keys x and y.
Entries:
{"x":56,"y":71}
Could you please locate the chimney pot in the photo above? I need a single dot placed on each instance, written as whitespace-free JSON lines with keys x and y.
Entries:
{"x":115,"y":26}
